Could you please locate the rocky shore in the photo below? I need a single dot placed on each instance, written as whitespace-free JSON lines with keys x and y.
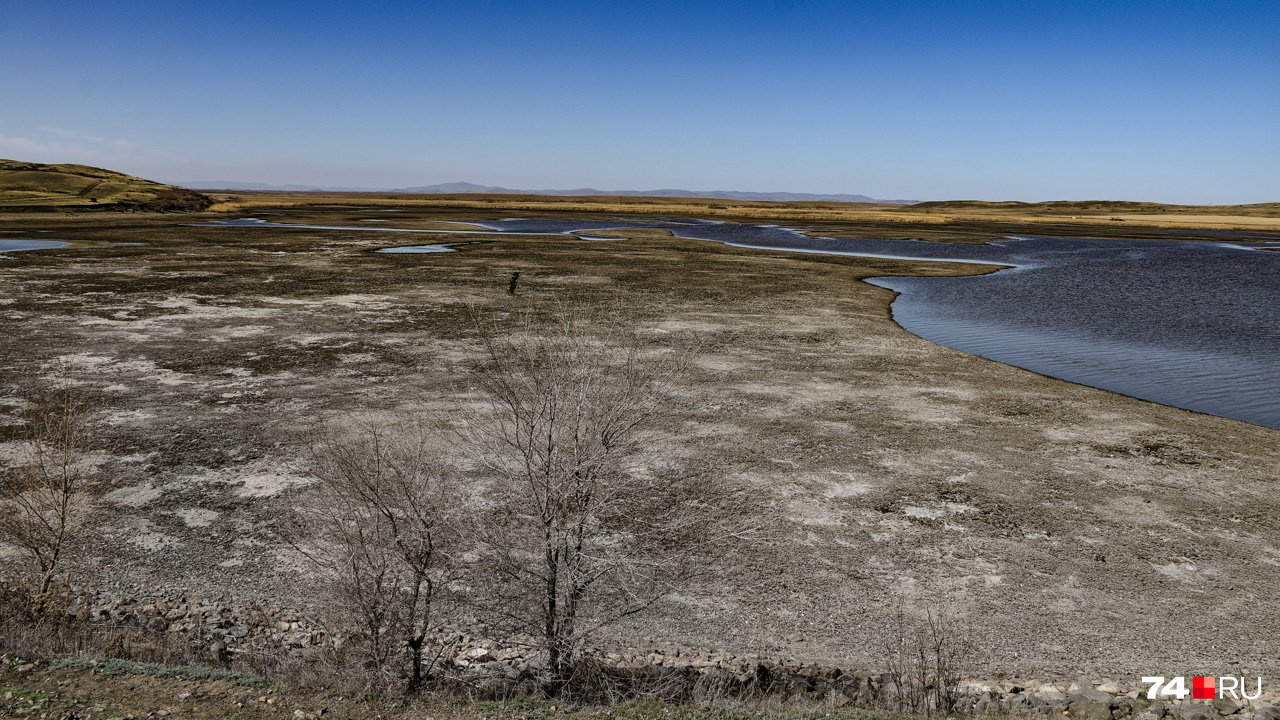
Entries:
{"x":223,"y":631}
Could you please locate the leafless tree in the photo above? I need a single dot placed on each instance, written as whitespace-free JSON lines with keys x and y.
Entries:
{"x":381,"y":525}
{"x":585,"y":525}
{"x":49,"y":493}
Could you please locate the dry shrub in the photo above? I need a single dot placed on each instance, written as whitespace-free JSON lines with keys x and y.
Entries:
{"x":381,"y":526}
{"x":48,"y":498}
{"x":925,"y":660}
{"x":585,"y":521}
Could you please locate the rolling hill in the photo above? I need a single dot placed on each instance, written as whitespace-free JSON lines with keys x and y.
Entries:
{"x":36,"y":186}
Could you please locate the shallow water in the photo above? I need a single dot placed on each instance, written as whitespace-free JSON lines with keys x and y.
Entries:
{"x":1186,"y":324}
{"x":258,"y":223}
{"x":15,"y":245}
{"x":415,"y":249}
{"x":1189,"y":324}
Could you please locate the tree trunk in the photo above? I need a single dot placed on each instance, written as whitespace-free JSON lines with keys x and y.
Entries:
{"x":415,"y":655}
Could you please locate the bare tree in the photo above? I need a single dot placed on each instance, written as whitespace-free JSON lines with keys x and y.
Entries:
{"x":49,"y":493}
{"x":584,"y":527}
{"x":381,"y":526}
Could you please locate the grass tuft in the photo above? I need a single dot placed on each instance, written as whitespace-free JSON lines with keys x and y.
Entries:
{"x":116,"y":667}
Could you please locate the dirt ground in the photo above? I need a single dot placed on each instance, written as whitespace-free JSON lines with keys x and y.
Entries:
{"x":1071,"y":530}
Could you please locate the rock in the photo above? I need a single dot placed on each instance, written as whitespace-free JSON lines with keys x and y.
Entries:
{"x":1016,"y":701}
{"x":478,"y":654}
{"x":1194,"y":711}
{"x":1090,"y":695}
{"x":1225,"y":706}
{"x":1050,"y":693}
{"x":1266,"y":712}
{"x":1088,"y":710}
{"x":218,"y":651}
{"x":1154,"y":712}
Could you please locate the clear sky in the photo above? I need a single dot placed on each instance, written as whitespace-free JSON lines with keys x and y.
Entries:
{"x":1029,"y":100}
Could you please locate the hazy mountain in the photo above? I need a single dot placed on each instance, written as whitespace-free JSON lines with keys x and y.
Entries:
{"x":460,"y":188}
{"x":237,"y":185}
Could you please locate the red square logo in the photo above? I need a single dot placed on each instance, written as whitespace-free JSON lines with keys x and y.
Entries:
{"x":1202,"y":688}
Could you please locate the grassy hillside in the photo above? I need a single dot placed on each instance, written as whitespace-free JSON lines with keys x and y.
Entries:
{"x":26,"y":185}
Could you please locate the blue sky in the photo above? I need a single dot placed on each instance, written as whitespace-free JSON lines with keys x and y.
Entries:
{"x":1169,"y":101}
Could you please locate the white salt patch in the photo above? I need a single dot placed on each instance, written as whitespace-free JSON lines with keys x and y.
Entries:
{"x":133,"y":497}
{"x":127,"y":417}
{"x":197,"y":517}
{"x":152,"y":540}
{"x":1184,"y":571}
{"x":269,"y":484}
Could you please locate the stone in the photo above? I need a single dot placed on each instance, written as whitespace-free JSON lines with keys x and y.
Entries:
{"x":1050,"y":693}
{"x":1089,"y":694}
{"x":1266,"y":712}
{"x":1016,"y":701}
{"x":478,"y":654}
{"x":1194,"y":711}
{"x":1226,"y":706}
{"x":1089,"y":710}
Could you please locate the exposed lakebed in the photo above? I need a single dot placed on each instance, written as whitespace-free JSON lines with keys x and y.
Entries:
{"x":1185,"y":323}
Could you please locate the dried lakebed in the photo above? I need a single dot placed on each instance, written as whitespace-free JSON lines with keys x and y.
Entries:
{"x":1067,"y":527}
{"x":1183,"y":323}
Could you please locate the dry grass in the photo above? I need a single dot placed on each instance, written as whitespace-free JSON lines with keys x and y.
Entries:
{"x":1264,"y":216}
{"x":25,"y":185}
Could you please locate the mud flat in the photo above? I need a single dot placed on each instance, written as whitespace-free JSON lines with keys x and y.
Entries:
{"x":1072,"y":530}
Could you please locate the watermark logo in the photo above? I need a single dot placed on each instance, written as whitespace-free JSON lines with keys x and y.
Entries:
{"x":1205,"y":687}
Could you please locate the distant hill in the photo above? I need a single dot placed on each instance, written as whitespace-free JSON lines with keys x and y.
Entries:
{"x":466,"y":188}
{"x":32,"y":186}
{"x":1088,"y":207}
{"x":267,"y":187}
